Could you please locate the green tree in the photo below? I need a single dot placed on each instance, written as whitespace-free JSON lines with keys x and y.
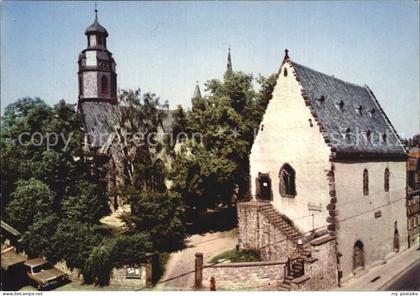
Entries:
{"x":131,"y":249}
{"x":31,"y":200}
{"x":207,"y":173}
{"x":88,"y":206}
{"x":161,"y":215}
{"x":37,"y":240}
{"x":98,"y":266}
{"x":74,"y":242}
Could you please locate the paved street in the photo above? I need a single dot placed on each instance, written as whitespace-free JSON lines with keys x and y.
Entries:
{"x":182,"y":262}
{"x":408,"y":281}
{"x":381,"y":277}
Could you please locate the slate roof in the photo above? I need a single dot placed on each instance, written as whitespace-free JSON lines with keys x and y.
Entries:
{"x":99,"y":120}
{"x":349,"y":116}
{"x":96,"y":28}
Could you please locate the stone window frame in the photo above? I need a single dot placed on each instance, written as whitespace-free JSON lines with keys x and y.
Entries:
{"x":365,"y":182}
{"x":387,"y":175}
{"x":258,"y":190}
{"x":287,"y":191}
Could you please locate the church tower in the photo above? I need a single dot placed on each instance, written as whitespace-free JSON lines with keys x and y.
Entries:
{"x":97,"y":77}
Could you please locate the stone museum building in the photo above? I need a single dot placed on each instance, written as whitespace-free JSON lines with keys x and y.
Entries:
{"x":326,"y":164}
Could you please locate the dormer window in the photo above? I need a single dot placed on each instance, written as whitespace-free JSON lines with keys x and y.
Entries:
{"x":346,"y":134}
{"x":358,"y":109}
{"x":371,"y":112}
{"x":368,"y":135}
{"x":339,"y":105}
{"x":321,"y":99}
{"x":384,"y":138}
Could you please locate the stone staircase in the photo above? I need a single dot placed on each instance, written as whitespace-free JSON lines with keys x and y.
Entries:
{"x":297,"y":269}
{"x":286,"y":226}
{"x":279,"y":221}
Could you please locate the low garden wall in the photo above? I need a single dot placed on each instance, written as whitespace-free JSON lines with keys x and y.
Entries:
{"x":264,"y":275}
{"x":125,"y":276}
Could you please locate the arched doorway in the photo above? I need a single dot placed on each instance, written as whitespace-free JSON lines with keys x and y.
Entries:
{"x":358,"y":255}
{"x":396,"y":238}
{"x":263,"y":187}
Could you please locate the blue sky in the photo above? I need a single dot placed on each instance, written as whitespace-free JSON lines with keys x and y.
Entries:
{"x":165,"y":47}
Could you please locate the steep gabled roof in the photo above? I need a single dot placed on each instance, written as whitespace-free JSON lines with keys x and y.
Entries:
{"x":349,"y":116}
{"x":99,"y":120}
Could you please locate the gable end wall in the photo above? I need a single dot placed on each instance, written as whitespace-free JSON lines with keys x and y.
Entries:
{"x":286,"y":136}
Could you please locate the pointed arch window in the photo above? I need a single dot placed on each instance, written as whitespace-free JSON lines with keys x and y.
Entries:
{"x":287,"y":182}
{"x":365,"y":182}
{"x":386,"y":180}
{"x":104,"y":84}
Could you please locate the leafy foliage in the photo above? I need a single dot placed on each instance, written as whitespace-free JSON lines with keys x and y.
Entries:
{"x":161,"y":214}
{"x":131,"y":249}
{"x":50,"y":192}
{"x":207,"y":173}
{"x":32,"y":200}
{"x":98,"y":266}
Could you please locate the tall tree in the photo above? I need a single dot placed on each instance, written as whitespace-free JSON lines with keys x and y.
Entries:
{"x":207,"y":173}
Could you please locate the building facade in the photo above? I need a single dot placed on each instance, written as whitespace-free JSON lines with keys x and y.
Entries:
{"x":413,"y":196}
{"x":327,"y":159}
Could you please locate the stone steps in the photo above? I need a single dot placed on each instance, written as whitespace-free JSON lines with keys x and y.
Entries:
{"x":275,"y":219}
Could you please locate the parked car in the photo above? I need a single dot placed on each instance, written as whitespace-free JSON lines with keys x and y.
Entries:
{"x":43,"y":274}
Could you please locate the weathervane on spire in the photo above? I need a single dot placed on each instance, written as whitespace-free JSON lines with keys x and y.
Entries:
{"x":96,"y":10}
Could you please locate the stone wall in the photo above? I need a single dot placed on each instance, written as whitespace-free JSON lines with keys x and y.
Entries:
{"x":322,"y":271}
{"x":118,"y":276}
{"x":266,"y":275}
{"x":257,"y":233}
{"x":369,"y":218}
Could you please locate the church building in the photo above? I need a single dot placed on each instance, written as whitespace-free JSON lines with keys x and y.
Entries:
{"x":326,"y":162}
